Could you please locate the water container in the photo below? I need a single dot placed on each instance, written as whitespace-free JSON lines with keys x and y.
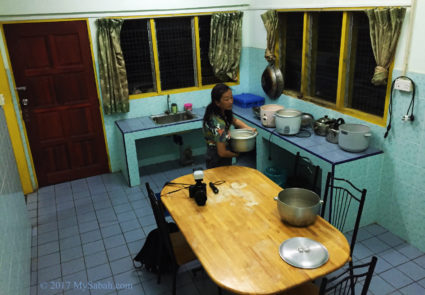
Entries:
{"x":277,"y":175}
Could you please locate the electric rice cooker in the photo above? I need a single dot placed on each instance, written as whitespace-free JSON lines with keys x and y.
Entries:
{"x":267,"y":114}
{"x":288,"y":121}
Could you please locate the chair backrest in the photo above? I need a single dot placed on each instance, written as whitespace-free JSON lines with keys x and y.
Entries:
{"x":345,"y":282}
{"x":344,"y":200}
{"x":159,"y":215}
{"x":305,"y":174}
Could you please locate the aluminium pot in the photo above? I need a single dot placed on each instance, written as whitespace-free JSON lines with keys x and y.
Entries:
{"x":354,"y":137}
{"x":298,"y":206}
{"x":242,"y":140}
{"x":272,"y":81}
{"x":288,"y":121}
{"x":333,"y":131}
{"x":267,"y":113}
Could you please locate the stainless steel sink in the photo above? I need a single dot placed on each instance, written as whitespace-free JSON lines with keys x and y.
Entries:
{"x":172,"y":118}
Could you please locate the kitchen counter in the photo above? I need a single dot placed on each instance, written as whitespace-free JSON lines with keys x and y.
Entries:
{"x":134,"y":129}
{"x":315,"y":144}
{"x":143,"y":127}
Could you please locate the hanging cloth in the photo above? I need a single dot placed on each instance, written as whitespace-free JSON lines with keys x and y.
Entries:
{"x":271,"y":21}
{"x":112,"y":73}
{"x":385,"y":26}
{"x":225,"y":44}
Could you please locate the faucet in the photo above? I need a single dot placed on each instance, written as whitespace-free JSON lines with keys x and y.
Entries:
{"x":168,"y":110}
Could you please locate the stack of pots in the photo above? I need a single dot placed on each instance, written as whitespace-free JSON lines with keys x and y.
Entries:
{"x":267,"y":114}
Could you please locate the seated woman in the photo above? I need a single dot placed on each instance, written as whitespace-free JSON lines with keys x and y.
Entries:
{"x":216,"y":127}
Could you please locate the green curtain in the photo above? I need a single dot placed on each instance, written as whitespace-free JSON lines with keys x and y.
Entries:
{"x":113,"y":76}
{"x":385,"y":26}
{"x":225,"y":44}
{"x":271,"y":21}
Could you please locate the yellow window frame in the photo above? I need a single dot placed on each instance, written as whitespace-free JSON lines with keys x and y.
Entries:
{"x":200,"y":86}
{"x":339,"y":105}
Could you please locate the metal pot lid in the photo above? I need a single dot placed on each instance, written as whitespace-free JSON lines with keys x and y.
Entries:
{"x":303,"y":252}
{"x":272,"y":81}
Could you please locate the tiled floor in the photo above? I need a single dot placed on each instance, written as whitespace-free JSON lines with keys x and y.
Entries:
{"x":85,"y":233}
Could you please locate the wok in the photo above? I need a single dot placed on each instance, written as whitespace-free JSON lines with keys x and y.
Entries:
{"x":272,"y":81}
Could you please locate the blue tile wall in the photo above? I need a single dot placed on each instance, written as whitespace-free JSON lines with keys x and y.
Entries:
{"x":395,"y":180}
{"x":15,"y":228}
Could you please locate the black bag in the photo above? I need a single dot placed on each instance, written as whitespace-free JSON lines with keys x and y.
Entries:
{"x":148,"y":256}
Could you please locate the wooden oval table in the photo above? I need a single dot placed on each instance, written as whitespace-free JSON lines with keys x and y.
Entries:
{"x":237,"y":234}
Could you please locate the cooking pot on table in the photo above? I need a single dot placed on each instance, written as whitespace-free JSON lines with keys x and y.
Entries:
{"x":288,"y":121}
{"x":333,"y":131}
{"x":272,"y":81}
{"x":298,"y":206}
{"x":267,"y":113}
{"x":354,"y":137}
{"x":321,"y":125}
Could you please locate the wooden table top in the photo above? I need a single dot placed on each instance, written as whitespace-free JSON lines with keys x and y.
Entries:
{"x":237,"y":234}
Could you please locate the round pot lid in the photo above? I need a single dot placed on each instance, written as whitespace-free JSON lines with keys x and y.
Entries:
{"x":303,"y":252}
{"x":272,"y":81}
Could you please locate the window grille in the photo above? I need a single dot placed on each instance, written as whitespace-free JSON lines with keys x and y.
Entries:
{"x":175,"y":52}
{"x":326,"y":40}
{"x":361,"y":93}
{"x":137,"y":51}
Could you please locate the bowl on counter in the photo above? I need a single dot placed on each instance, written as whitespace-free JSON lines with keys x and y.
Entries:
{"x":242,"y":140}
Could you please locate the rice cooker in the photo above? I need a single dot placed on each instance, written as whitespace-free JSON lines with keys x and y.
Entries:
{"x":267,"y":113}
{"x":288,"y":121}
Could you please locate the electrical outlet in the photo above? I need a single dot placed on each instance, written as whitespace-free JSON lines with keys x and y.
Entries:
{"x":403,"y":84}
{"x":2,"y":102}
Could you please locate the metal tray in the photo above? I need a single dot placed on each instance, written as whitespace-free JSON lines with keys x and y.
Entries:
{"x":303,"y":252}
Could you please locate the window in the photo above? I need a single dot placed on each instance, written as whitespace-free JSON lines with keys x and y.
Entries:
{"x":161,"y":54}
{"x":330,"y":62}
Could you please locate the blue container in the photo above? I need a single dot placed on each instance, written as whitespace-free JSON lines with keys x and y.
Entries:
{"x":247,"y":100}
{"x":277,"y":175}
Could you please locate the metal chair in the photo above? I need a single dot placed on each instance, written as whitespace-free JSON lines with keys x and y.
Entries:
{"x":305,"y":174}
{"x":175,"y":244}
{"x":343,"y":195}
{"x":343,"y":283}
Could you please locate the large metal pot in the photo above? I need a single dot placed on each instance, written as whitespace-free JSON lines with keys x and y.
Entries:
{"x":298,"y":206}
{"x":272,"y":81}
{"x":242,"y":140}
{"x":333,"y":131}
{"x":354,"y":137}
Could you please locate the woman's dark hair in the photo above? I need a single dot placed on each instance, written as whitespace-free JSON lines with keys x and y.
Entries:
{"x":212,"y":109}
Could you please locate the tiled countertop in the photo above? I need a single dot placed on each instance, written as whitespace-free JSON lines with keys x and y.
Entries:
{"x":315,"y":144}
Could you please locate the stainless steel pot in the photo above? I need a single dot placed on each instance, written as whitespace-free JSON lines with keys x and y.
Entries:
{"x":354,"y":137}
{"x":242,"y":140}
{"x":307,"y":120}
{"x":333,"y":131}
{"x":272,"y":81}
{"x":298,"y":206}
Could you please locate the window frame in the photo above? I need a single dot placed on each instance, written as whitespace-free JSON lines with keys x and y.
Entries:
{"x":339,"y":105}
{"x":155,"y":58}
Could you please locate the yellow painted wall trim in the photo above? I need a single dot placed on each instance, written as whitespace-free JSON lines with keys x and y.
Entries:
{"x":155,"y":55}
{"x":14,"y":132}
{"x":342,"y":68}
{"x":304,"y":56}
{"x":198,"y":51}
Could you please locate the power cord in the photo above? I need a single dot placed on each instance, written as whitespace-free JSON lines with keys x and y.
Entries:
{"x":411,"y":107}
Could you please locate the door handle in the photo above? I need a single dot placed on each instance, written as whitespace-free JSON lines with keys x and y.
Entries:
{"x":25,"y":101}
{"x":21,"y":88}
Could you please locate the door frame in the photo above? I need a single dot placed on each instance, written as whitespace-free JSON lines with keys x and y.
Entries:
{"x":15,"y":122}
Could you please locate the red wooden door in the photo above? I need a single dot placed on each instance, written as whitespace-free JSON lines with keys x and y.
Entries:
{"x":53,"y":72}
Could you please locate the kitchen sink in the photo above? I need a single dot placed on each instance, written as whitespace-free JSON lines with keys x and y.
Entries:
{"x":172,"y":118}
